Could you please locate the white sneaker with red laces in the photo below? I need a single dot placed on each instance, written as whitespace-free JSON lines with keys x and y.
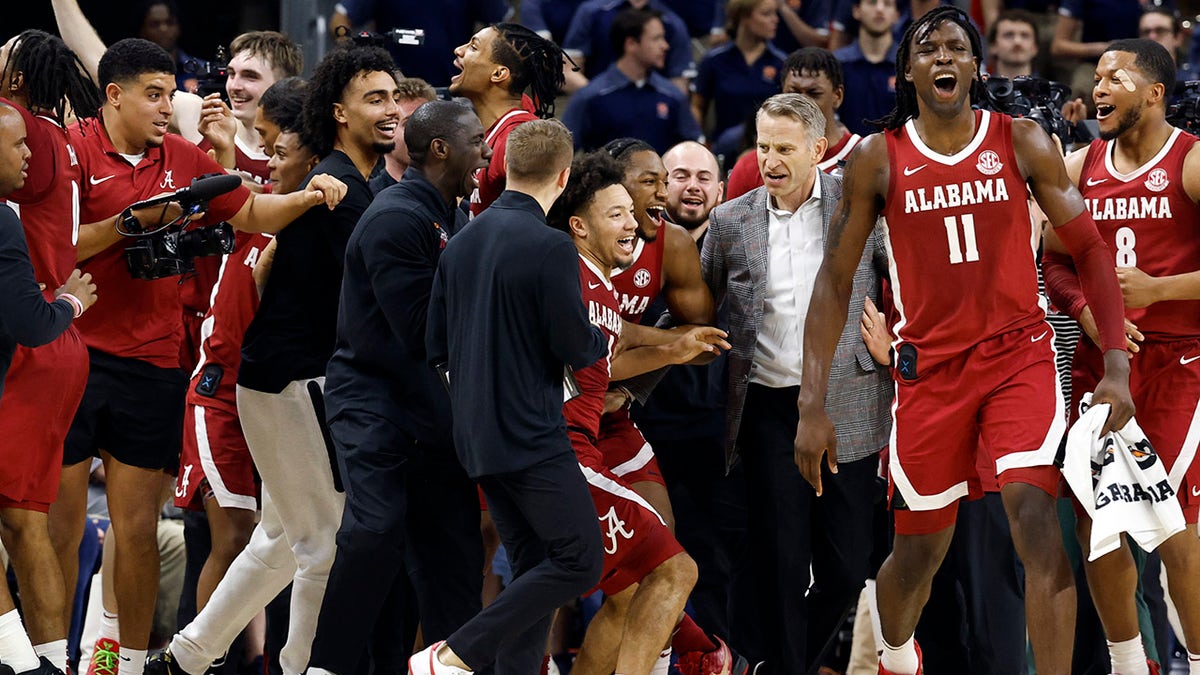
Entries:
{"x":425,"y":662}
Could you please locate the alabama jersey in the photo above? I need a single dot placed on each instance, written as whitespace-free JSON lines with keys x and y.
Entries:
{"x":1148,"y":221}
{"x":583,"y":412}
{"x":960,"y":243}
{"x":492,"y":178}
{"x":639,"y":284}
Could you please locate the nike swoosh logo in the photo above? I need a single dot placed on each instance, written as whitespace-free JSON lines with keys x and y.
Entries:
{"x":1039,"y":338}
{"x":97,"y":181}
{"x":592,"y":287}
{"x":1183,"y":360}
{"x":1091,"y":182}
{"x":908,"y":171}
{"x":1195,"y":491}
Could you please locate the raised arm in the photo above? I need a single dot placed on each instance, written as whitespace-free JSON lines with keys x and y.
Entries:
{"x":865,"y":184}
{"x":79,"y":34}
{"x":1042,"y":165}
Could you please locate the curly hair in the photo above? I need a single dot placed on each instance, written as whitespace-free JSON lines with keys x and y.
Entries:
{"x":282,"y":102}
{"x":906,"y":93}
{"x":590,"y":173}
{"x":54,"y":77}
{"x":318,"y":130}
{"x":127,"y":59}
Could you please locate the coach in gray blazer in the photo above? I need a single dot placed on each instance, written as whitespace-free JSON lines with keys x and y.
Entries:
{"x":760,"y":260}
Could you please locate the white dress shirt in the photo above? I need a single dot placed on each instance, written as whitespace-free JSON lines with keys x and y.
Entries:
{"x":795,"y":248}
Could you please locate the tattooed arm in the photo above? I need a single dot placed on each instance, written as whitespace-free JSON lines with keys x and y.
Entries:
{"x":865,"y":184}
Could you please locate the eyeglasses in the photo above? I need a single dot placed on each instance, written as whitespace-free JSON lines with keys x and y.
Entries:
{"x":1160,"y":30}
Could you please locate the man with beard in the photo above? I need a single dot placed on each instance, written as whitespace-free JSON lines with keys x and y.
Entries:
{"x":1137,"y":182}
{"x":389,"y":415}
{"x":935,"y":144}
{"x":349,"y":119}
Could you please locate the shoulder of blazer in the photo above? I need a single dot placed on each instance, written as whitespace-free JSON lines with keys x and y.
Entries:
{"x":831,"y":186}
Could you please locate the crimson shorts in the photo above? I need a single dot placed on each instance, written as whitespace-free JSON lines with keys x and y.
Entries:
{"x":1001,"y":397}
{"x":636,"y":538}
{"x":1164,"y":379}
{"x":626,"y":452}
{"x":41,"y":393}
{"x":215,"y":460}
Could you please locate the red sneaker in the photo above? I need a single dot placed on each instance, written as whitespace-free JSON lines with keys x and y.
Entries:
{"x":104,"y":657}
{"x":920,"y":667}
{"x":720,"y":661}
{"x":1155,"y":669}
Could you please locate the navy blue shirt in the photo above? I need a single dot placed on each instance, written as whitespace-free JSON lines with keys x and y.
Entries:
{"x":293,"y":332}
{"x":505,"y":316}
{"x":735,"y":88}
{"x":447,"y":24}
{"x":25,"y":316}
{"x":870,"y":88}
{"x":815,"y":13}
{"x":589,"y":36}
{"x":379,"y":363}
{"x":549,"y":17}
{"x":697,"y":15}
{"x":1107,"y":20}
{"x":614,"y":106}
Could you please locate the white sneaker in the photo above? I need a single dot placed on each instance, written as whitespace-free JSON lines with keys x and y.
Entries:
{"x":425,"y":662}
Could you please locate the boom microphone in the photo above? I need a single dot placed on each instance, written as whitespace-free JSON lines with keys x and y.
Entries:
{"x":200,"y":191}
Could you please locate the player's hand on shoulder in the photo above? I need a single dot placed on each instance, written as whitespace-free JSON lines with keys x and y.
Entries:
{"x":1138,"y":288}
{"x":79,"y":285}
{"x":325,"y":189}
{"x":816,"y":439}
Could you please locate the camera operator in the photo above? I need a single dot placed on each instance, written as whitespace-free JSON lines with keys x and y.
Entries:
{"x":26,"y":318}
{"x":132,"y":407}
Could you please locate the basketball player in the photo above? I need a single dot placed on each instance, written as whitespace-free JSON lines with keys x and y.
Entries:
{"x":647,"y":576}
{"x":975,"y":365}
{"x":1141,"y":181}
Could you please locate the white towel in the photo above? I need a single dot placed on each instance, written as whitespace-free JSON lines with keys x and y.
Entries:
{"x":1121,"y":483}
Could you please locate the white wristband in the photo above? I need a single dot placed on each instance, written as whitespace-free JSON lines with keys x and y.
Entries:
{"x":75,"y":303}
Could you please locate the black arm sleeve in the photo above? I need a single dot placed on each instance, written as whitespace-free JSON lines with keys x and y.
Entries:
{"x":572,"y":337}
{"x":24,"y":313}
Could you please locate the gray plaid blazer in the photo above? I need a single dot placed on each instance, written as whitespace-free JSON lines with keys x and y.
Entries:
{"x":734,"y":264}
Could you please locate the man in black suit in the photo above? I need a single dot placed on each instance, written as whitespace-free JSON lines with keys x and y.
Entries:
{"x":506,"y":315}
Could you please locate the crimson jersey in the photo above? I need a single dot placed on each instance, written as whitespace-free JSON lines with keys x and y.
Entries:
{"x":248,"y":160}
{"x":583,"y":412}
{"x":639,"y":284}
{"x":234,"y":302}
{"x":144,"y":319}
{"x":492,"y":178}
{"x":1149,"y":221}
{"x":960,"y":242}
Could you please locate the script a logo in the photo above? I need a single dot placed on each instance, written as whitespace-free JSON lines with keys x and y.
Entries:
{"x":613,"y":526}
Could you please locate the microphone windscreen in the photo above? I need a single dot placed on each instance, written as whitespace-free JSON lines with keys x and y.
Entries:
{"x":205,"y":189}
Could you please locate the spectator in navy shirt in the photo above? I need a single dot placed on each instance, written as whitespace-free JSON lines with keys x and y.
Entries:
{"x":549,"y":18}
{"x":447,"y":24}
{"x":739,"y":75}
{"x":1086,"y":27}
{"x":630,"y":98}
{"x":588,"y":44}
{"x":869,"y":66}
{"x":1162,"y":26}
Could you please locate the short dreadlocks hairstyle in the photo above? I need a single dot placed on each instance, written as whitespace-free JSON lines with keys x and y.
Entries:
{"x":54,"y":77}
{"x":534,"y":64}
{"x":318,"y":130}
{"x":906,"y":93}
{"x":283,"y":102}
{"x":590,"y":173}
{"x":622,"y":149}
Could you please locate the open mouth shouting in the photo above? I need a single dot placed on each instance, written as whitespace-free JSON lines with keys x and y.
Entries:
{"x":945,"y":85}
{"x":655,"y":213}
{"x":1104,"y":110}
{"x":625,"y":245}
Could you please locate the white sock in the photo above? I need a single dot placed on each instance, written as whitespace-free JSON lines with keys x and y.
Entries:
{"x":1193,"y":664}
{"x":109,"y":627}
{"x":133,"y":661}
{"x":1128,"y":656}
{"x":663,"y":664}
{"x":15,"y":648}
{"x":900,"y":660}
{"x":55,"y":652}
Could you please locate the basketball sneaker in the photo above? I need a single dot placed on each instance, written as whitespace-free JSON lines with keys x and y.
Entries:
{"x":44,"y":668}
{"x":720,"y":661}
{"x":425,"y":662}
{"x":105,"y":657}
{"x":163,"y":663}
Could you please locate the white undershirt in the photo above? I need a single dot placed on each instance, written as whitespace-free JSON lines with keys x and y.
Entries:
{"x":795,"y":247}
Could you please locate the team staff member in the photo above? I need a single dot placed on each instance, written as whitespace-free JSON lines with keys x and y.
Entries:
{"x":499,"y":64}
{"x":26,"y":318}
{"x":131,"y":412}
{"x":629,"y":98}
{"x":389,"y":415}
{"x":1141,"y":159}
{"x":997,"y":340}
{"x":503,"y":325}
{"x":43,"y":78}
